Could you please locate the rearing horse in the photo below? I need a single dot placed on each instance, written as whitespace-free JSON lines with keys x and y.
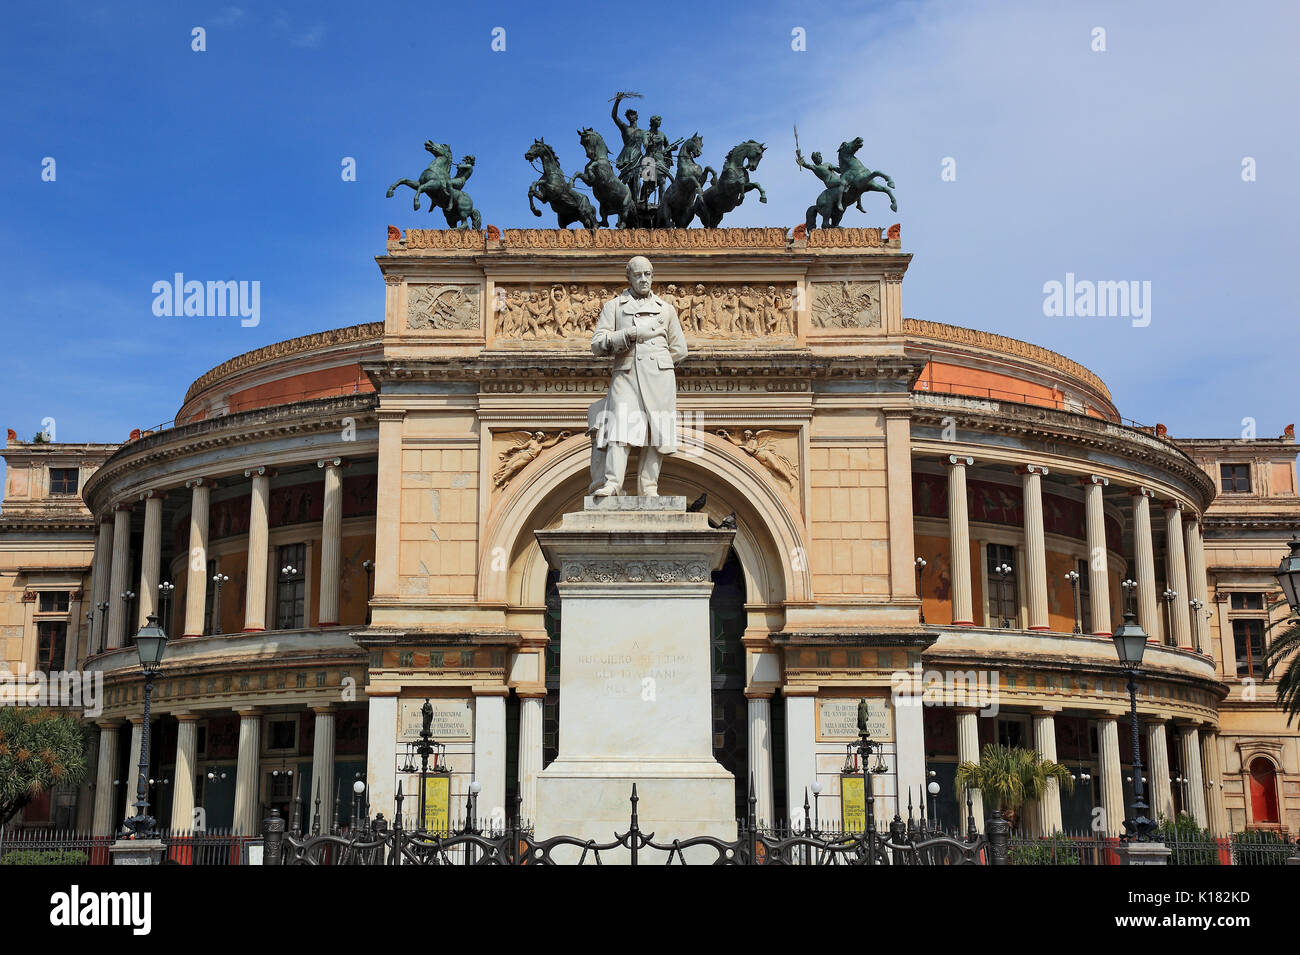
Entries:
{"x":611,"y":192}
{"x":682,"y":197}
{"x":730,"y":185}
{"x":553,"y":189}
{"x":434,"y":181}
{"x":858,"y":179}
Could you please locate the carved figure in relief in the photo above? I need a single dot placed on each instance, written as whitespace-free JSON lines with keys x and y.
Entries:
{"x":527,"y":448}
{"x":762,"y":447}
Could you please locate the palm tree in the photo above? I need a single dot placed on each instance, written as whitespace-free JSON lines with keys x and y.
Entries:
{"x":1285,"y":645}
{"x":1009,"y":777}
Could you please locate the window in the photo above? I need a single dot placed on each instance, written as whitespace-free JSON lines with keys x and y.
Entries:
{"x":291,"y":591}
{"x":1248,"y":635}
{"x":51,"y":644}
{"x":1263,"y":792}
{"x":281,"y":735}
{"x":1003,"y":601}
{"x":1234,"y":477}
{"x":1247,"y":601}
{"x":1085,"y":595}
{"x":63,"y":481}
{"x":1013,"y":732}
{"x":53,"y":601}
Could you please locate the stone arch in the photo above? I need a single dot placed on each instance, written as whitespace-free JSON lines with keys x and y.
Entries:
{"x":770,"y":541}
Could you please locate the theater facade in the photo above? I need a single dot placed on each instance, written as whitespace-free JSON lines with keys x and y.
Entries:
{"x":348,"y":518}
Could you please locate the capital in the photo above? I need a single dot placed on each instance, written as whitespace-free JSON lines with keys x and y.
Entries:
{"x":1142,"y":492}
{"x":962,"y":460}
{"x":1031,"y":469}
{"x":329,"y":463}
{"x":1094,"y":479}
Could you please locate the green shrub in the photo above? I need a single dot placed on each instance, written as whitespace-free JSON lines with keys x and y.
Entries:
{"x":43,"y":857}
{"x":1058,"y":850}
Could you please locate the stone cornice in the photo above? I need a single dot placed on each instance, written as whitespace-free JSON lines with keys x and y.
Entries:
{"x":369,"y":332}
{"x":764,"y":238}
{"x":1047,"y":424}
{"x":956,"y":335}
{"x":384,"y":637}
{"x":304,"y":417}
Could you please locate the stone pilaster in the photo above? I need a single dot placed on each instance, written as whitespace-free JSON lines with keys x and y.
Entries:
{"x":196,"y":583}
{"x":105,"y":792}
{"x":1160,"y":793}
{"x":1098,"y":580}
{"x":898,"y":464}
{"x":490,"y":756}
{"x":1031,"y":477}
{"x":959,"y":540}
{"x":1178,"y":574}
{"x":1190,"y":743}
{"x":258,"y":531}
{"x":1148,"y":608}
{"x":248,"y":776}
{"x":530,"y":755}
{"x":1196,"y":584}
{"x":800,"y":748}
{"x":1212,"y":767}
{"x":187,"y":738}
{"x":150,"y":557}
{"x":1112,"y":779}
{"x":760,"y":757}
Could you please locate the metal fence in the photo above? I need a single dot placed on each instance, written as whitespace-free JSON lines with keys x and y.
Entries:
{"x":69,"y":847}
{"x":1244,"y":848}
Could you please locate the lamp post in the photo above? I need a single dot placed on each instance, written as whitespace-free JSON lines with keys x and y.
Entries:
{"x":932,"y":789}
{"x":287,"y":574}
{"x":1003,"y":570}
{"x":219,"y":580}
{"x":1073,"y":578}
{"x":1130,"y":643}
{"x":920,"y":573}
{"x":1170,"y":596}
{"x":369,"y":567}
{"x":817,"y":797}
{"x":90,"y":632}
{"x":102,"y":607}
{"x":1196,"y":604}
{"x":150,"y":643}
{"x":165,"y":590}
{"x":127,"y":596}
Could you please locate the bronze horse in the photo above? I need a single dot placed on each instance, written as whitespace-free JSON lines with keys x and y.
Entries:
{"x":553,"y":189}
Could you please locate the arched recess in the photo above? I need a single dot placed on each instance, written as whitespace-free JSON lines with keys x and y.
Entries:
{"x":1262,"y":778}
{"x":770,"y":539}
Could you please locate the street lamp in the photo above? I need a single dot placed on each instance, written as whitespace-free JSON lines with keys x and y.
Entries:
{"x":817,"y":796}
{"x":1288,"y":576}
{"x":102,"y":607}
{"x":1003,"y":570}
{"x":932,"y":788}
{"x":1196,"y":604}
{"x":165,"y":590}
{"x":920,"y":572}
{"x":1130,"y":643}
{"x":1170,"y":596}
{"x":369,"y":567}
{"x":150,"y":643}
{"x":127,"y":596}
{"x":219,"y":580}
{"x":1073,"y":578}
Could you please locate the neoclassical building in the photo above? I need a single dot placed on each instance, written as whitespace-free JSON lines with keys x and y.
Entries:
{"x":347,"y":522}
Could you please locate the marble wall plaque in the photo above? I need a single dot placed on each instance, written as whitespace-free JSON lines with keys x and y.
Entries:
{"x":452,"y":720}
{"x":837,"y":718}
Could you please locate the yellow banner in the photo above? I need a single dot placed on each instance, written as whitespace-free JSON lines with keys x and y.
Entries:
{"x":437,"y":803}
{"x":853,"y":803}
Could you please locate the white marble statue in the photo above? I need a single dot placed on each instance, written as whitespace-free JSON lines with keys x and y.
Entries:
{"x":644,"y":336}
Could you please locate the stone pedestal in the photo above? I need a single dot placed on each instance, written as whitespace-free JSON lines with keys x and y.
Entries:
{"x":137,"y":852}
{"x":635,"y":676}
{"x":1144,"y":853}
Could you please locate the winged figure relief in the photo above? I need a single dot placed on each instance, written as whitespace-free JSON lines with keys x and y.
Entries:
{"x":762,"y":447}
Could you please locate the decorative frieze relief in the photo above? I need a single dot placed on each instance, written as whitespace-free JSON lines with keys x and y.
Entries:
{"x":775,"y":450}
{"x":442,"y":307}
{"x":724,"y":311}
{"x":634,"y":571}
{"x":846,"y":304}
{"x":528,"y":447}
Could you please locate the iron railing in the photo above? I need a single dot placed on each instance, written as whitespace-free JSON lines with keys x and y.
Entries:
{"x":69,"y":847}
{"x":1085,"y":848}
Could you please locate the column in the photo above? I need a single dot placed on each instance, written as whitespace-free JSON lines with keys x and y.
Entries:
{"x":99,"y":584}
{"x":86,"y":791}
{"x":490,"y":757}
{"x":1212,"y":766}
{"x":968,"y":751}
{"x":77,"y":624}
{"x":381,"y":757}
{"x":898,"y":464}
{"x":322,"y":767}
{"x":117,"y":583}
{"x":800,"y":749}
{"x":107,"y":772}
{"x":331,"y":545}
{"x":1196,"y":586}
{"x":909,"y":745}
{"x":1098,"y":583}
{"x":1190,"y":742}
{"x":1112,"y":781}
{"x":248,"y":803}
{"x":187,"y":737}
{"x":760,"y":757}
{"x":196,"y":581}
{"x":1148,"y":607}
{"x":1160,"y":795}
{"x":1049,"y":807}
{"x":959,"y":541}
{"x":150,"y":557}
{"x":1035,"y":573}
{"x":130,"y":775}
{"x":255,"y":585}
{"x":530,"y":754}
{"x":1178,"y":574}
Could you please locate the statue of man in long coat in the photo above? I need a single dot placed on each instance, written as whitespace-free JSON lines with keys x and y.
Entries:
{"x":644,"y":336}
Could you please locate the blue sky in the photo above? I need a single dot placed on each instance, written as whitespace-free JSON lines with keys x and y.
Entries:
{"x":225,"y":164}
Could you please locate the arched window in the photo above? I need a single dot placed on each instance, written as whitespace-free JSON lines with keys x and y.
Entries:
{"x":1263,"y":791}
